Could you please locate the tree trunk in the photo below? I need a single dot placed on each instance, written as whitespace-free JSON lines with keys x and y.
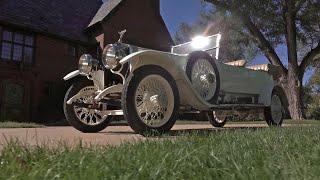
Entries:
{"x":293,"y":89}
{"x":294,"y":95}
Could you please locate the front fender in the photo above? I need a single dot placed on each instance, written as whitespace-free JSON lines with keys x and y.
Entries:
{"x":71,"y":75}
{"x":96,"y":76}
{"x":175,"y":65}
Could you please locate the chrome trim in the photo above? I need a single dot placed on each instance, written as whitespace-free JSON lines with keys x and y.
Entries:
{"x":71,"y":75}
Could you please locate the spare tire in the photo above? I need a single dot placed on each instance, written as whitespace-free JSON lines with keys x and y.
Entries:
{"x":203,"y":73}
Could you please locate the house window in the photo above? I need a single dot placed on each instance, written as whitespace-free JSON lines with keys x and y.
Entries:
{"x":16,"y":46}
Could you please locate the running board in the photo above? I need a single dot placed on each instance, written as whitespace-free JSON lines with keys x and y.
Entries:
{"x":237,"y":106}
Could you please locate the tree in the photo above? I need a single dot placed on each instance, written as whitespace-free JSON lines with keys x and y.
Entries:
{"x":312,"y":96}
{"x":269,"y":23}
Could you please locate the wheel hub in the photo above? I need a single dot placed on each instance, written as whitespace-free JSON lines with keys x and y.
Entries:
{"x":207,"y":78}
{"x":89,"y":115}
{"x":154,"y":100}
{"x":203,"y":79}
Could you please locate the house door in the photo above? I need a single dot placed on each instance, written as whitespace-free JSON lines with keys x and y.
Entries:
{"x":12,"y":101}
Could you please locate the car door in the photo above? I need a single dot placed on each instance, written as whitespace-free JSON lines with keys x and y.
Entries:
{"x":234,"y":79}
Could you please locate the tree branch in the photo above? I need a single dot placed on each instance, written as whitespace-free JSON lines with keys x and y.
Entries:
{"x":258,"y":36}
{"x":289,"y":16}
{"x":298,"y":5}
{"x":309,"y":58}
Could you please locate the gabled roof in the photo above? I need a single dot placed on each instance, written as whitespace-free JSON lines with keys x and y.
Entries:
{"x":104,"y":11}
{"x":64,"y":18}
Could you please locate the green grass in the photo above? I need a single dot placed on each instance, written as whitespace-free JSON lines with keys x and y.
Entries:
{"x":263,"y":153}
{"x":10,"y":124}
{"x":286,"y":121}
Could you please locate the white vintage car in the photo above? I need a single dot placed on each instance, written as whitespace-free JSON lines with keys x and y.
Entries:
{"x":155,"y":86}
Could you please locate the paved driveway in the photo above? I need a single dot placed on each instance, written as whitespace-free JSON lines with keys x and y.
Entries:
{"x":113,"y":135}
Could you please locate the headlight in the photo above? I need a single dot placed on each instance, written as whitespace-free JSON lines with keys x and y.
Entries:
{"x":109,"y":57}
{"x":85,"y":64}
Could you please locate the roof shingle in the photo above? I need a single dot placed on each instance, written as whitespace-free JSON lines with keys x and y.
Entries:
{"x":65,"y":18}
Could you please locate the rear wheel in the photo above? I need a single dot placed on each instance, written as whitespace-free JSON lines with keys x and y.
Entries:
{"x":274,"y":114}
{"x":150,"y":100}
{"x":216,"y":118}
{"x":84,"y":119}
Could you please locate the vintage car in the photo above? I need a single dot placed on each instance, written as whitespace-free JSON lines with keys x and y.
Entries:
{"x":154,"y":87}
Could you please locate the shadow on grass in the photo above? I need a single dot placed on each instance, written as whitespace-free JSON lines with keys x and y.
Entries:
{"x":207,"y":131}
{"x":184,"y":132}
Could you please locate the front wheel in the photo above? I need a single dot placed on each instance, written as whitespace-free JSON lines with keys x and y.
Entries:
{"x":150,"y":100}
{"x":87,"y":120}
{"x":274,"y":114}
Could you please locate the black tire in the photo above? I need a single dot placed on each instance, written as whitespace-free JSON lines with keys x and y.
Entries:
{"x":192,"y":59}
{"x":267,"y":111}
{"x":70,"y":113}
{"x":215,"y":120}
{"x":128,"y":101}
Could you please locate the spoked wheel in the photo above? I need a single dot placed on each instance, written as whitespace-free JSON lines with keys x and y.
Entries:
{"x":203,"y":73}
{"x":274,"y":114}
{"x":204,"y":76}
{"x":150,"y":100}
{"x":216,"y":118}
{"x":87,"y":120}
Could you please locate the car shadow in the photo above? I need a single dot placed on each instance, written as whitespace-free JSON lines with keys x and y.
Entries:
{"x":207,"y":131}
{"x":184,"y":132}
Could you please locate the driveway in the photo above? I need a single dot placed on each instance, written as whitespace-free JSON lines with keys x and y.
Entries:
{"x":113,"y":135}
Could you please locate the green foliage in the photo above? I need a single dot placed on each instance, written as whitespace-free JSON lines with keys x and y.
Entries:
{"x":268,"y":153}
{"x":268,"y":16}
{"x":312,"y":96}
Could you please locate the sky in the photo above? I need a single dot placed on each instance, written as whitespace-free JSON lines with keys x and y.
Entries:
{"x":175,"y":12}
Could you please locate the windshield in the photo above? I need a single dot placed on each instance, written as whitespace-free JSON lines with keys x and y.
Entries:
{"x":210,"y":44}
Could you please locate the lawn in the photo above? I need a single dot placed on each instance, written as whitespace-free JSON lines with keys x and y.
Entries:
{"x":263,"y":153}
{"x":10,"y":124}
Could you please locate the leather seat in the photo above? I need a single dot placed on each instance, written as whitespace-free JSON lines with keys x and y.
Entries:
{"x":274,"y":70}
{"x":260,"y":67}
{"x":239,"y":63}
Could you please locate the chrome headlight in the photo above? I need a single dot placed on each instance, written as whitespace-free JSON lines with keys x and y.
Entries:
{"x":109,"y":57}
{"x":85,"y":64}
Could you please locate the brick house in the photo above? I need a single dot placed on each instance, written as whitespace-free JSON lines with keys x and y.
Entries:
{"x":41,"y":41}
